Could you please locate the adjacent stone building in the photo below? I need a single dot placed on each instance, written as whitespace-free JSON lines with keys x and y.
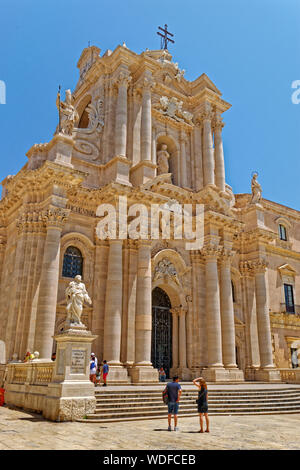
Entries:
{"x":135,"y":129}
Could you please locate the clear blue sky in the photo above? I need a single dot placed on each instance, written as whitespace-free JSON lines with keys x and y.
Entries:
{"x":249,"y":49}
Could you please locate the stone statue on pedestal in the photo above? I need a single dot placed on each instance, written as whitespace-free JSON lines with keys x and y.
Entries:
{"x":162,"y":160}
{"x":67,"y":112}
{"x":256,"y":190}
{"x":76,"y":295}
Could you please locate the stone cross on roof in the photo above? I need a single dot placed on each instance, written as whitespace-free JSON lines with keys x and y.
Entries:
{"x":164,"y":37}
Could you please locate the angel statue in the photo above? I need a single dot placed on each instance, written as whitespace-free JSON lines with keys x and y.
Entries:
{"x":76,"y":294}
{"x":256,"y":189}
{"x":67,"y":113}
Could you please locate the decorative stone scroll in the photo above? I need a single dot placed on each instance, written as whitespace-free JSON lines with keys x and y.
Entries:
{"x":164,"y":270}
{"x":172,"y":107}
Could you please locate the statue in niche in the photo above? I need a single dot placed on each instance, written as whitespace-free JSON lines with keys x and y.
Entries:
{"x":67,"y":112}
{"x":76,"y":295}
{"x":256,"y":189}
{"x":162,"y":160}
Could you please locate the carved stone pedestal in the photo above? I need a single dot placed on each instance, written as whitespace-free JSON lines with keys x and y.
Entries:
{"x":61,"y":148}
{"x":117,"y":170}
{"x":117,"y":375}
{"x":183,"y":373}
{"x":143,"y":375}
{"x":267,"y":375}
{"x":71,"y":395}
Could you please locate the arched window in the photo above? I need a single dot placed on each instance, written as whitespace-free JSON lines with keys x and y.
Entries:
{"x":282,"y":232}
{"x":73,"y":262}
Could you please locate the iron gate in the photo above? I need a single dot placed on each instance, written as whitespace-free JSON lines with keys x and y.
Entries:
{"x":161,"y":352}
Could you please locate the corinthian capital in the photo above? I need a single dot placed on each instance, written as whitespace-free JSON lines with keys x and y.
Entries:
{"x":226,"y":256}
{"x":211,"y":252}
{"x":123,"y":79}
{"x":55,"y":217}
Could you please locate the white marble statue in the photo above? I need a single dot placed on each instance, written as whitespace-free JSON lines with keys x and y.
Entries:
{"x":68,"y":114}
{"x":76,"y":295}
{"x":256,"y":190}
{"x":162,"y":160}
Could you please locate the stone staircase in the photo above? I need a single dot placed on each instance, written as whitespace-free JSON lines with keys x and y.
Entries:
{"x":133,"y":404}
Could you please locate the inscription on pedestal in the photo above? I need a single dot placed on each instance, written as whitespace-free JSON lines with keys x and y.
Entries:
{"x":78,"y":361}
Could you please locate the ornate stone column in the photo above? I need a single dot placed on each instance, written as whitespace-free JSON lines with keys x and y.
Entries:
{"x":99,"y":292}
{"x":174,"y":339}
{"x":208,"y":151}
{"x":183,"y":175}
{"x":227,"y":314}
{"x":267,"y":371}
{"x":16,"y":287}
{"x":141,"y":172}
{"x":219,"y":155}
{"x":121,"y":114}
{"x":143,"y":370}
{"x":46,"y":310}
{"x":213,"y":315}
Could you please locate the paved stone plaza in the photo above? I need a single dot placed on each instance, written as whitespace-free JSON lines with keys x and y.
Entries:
{"x":22,"y":430}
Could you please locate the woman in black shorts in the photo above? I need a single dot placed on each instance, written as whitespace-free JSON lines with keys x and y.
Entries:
{"x":202,"y":402}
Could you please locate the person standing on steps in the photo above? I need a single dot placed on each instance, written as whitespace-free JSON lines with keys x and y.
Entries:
{"x":174,"y":394}
{"x":202,"y":402}
{"x":105,"y":369}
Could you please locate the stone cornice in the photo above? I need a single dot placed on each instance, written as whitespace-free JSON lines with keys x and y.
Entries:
{"x":285,"y":320}
{"x":28,"y":181}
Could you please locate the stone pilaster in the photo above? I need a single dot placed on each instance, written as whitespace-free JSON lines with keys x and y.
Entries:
{"x":136,"y":137}
{"x":215,"y":370}
{"x":175,"y":343}
{"x":267,"y":369}
{"x":183,"y":169}
{"x":16,"y":287}
{"x":143,"y":370}
{"x":131,"y":303}
{"x":121,"y":114}
{"x":46,"y":311}
{"x":36,"y":227}
{"x":263,"y":320}
{"x":219,"y":155}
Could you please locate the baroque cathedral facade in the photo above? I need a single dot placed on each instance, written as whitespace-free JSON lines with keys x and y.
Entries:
{"x":135,"y":128}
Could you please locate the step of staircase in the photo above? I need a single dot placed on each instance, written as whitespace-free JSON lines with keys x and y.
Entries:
{"x":141,"y":404}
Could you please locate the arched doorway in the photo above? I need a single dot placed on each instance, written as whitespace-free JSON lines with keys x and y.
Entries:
{"x":161,"y":348}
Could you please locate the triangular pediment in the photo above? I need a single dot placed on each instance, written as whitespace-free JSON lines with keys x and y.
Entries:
{"x":287,"y":269}
{"x":204,"y":82}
